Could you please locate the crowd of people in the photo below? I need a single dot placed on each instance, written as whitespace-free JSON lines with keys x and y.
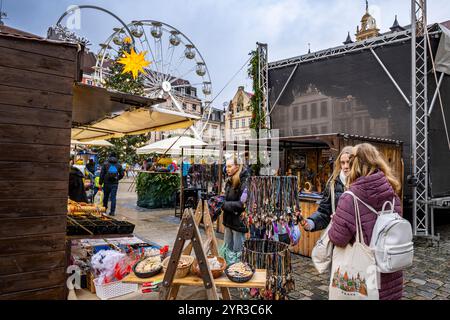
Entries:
{"x":102,"y":179}
{"x":361,"y":169}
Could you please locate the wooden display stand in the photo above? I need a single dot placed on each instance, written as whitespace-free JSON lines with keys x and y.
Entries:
{"x":189,"y":231}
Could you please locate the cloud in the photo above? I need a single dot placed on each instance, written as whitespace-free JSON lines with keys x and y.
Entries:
{"x":226,"y":30}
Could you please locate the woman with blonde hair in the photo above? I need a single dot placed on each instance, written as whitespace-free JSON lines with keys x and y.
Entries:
{"x":371,"y":180}
{"x":320,"y":219}
{"x":234,"y":219}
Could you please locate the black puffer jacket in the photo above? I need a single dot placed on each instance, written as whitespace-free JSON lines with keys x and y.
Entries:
{"x":321,"y":217}
{"x":233,"y":207}
{"x":76,"y":186}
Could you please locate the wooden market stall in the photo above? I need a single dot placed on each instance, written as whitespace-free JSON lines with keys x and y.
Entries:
{"x":43,"y":106}
{"x":36,"y":92}
{"x":311,"y":159}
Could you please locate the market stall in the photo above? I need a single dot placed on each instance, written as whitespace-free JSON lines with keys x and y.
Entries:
{"x":311,"y":160}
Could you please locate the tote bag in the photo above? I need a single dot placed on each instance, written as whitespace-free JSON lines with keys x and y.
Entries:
{"x":354,"y":273}
{"x":322,"y":253}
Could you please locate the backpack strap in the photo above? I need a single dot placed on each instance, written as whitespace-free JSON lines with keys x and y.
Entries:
{"x":358,"y":225}
{"x":392,"y":204}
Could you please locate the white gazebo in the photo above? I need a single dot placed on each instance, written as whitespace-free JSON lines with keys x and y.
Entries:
{"x":177,"y":146}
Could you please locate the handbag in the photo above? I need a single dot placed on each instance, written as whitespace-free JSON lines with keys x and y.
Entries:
{"x":354,"y":274}
{"x":322,"y":253}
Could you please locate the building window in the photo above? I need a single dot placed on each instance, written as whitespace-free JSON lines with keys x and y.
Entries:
{"x":348,"y":106}
{"x":314,"y":130}
{"x":304,"y":112}
{"x":184,"y":106}
{"x":324,"y":109}
{"x":324,"y":129}
{"x":296,"y":113}
{"x":237,"y":124}
{"x":305,"y":131}
{"x":313,"y":110}
{"x":243,"y":123}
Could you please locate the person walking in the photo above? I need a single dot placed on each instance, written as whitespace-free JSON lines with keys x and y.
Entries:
{"x":234,"y":218}
{"x":370,"y":179}
{"x":110,"y":176}
{"x":335,"y":187}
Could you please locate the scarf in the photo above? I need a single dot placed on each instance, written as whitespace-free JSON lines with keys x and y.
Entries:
{"x":342,"y":177}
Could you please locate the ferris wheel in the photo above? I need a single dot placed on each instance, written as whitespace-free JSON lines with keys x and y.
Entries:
{"x":177,"y":71}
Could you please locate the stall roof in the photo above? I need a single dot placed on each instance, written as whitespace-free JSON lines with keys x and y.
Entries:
{"x":99,"y":113}
{"x":318,"y":140}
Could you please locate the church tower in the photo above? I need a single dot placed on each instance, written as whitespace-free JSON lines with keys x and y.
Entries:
{"x":368,"y":26}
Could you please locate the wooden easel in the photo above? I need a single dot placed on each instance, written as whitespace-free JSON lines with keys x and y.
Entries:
{"x":189,"y":231}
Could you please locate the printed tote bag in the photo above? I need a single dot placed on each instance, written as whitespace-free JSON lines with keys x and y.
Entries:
{"x":354,"y":273}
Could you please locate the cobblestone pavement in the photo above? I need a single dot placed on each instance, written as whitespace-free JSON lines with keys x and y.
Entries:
{"x":428,"y":278}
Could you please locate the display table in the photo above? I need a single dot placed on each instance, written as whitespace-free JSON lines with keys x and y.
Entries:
{"x":258,"y":281}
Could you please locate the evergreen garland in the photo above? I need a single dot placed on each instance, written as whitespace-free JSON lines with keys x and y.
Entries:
{"x":257,"y":98}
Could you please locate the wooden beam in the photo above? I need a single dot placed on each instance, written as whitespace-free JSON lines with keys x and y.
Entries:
{"x":35,"y":80}
{"x":35,"y":116}
{"x":35,"y":98}
{"x":10,"y":133}
{"x":33,"y":171}
{"x":20,"y":227}
{"x":18,"y":59}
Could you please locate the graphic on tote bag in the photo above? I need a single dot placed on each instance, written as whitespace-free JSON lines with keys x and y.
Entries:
{"x":349,"y":285}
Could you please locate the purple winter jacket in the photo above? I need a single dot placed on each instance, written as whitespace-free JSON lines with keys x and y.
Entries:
{"x":374,"y":190}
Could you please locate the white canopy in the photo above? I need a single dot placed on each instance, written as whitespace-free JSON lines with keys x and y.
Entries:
{"x":176,"y":142}
{"x":134,"y":122}
{"x":101,"y":114}
{"x":190,"y":146}
{"x":102,"y":143}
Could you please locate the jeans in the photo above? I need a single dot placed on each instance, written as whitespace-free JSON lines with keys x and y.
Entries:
{"x":234,"y":240}
{"x":110,"y":190}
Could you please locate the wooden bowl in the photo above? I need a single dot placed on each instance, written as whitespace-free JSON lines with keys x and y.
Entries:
{"x":240,"y":279}
{"x":216,"y":273}
{"x":180,"y":272}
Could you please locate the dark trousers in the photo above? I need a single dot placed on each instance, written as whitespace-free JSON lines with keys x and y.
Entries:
{"x":110,"y":190}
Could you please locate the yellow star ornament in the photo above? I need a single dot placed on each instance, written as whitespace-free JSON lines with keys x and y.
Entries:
{"x":134,"y":62}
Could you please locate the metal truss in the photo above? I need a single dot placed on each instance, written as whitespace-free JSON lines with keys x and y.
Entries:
{"x":263,"y":81}
{"x":383,"y":40}
{"x":419,"y":101}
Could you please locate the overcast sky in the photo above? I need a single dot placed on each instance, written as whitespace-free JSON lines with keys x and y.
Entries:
{"x":225,"y":31}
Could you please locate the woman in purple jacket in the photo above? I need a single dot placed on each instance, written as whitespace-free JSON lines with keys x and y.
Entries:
{"x":372,"y":180}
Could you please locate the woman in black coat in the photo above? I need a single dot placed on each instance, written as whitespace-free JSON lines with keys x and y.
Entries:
{"x":320,"y":219}
{"x":76,"y":185}
{"x":234,"y":219}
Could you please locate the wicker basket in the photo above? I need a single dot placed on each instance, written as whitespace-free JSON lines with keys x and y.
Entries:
{"x":215,"y":273}
{"x":180,"y":272}
{"x":114,"y":289}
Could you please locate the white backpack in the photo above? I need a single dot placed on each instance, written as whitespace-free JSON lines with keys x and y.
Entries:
{"x":391,"y":239}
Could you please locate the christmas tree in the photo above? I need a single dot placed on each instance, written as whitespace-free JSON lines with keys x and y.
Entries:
{"x":120,"y":77}
{"x":126,"y":75}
